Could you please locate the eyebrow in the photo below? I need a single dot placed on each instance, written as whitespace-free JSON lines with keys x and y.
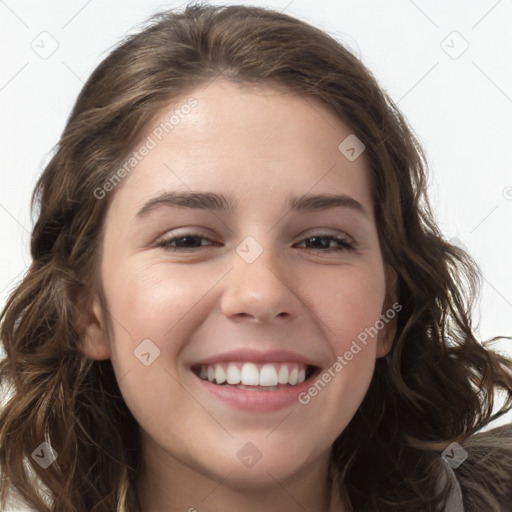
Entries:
{"x":221,"y":202}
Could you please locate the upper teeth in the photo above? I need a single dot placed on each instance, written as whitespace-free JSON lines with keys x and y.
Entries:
{"x":251,"y":374}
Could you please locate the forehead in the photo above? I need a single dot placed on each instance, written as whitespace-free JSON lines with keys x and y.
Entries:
{"x":257,"y":143}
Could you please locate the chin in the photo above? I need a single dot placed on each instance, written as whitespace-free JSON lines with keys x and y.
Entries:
{"x":258,"y":464}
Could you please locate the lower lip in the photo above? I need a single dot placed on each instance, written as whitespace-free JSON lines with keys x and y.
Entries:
{"x":257,"y":400}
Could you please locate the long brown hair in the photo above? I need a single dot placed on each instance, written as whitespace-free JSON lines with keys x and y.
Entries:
{"x":437,"y":385}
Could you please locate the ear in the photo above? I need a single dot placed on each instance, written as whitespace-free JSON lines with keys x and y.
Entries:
{"x":389,"y":313}
{"x":91,"y":325}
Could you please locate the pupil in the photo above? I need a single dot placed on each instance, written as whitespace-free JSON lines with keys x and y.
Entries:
{"x":189,"y":238}
{"x":317,"y":238}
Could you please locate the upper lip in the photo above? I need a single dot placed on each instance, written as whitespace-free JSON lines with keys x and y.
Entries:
{"x":257,"y":356}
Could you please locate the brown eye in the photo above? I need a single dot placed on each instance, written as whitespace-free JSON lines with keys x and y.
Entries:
{"x":187,"y":241}
{"x":320,"y":244}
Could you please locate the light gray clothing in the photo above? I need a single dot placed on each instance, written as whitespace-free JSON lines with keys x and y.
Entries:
{"x":454,"y":503}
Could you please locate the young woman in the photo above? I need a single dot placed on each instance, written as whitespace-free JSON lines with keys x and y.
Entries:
{"x":239,"y":298}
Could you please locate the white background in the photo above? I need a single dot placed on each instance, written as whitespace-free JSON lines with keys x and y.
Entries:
{"x":458,"y":102}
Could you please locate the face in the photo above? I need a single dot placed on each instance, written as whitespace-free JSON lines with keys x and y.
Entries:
{"x":263,"y":287}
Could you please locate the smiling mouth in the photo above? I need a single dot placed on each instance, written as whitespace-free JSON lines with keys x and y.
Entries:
{"x":254,"y":377}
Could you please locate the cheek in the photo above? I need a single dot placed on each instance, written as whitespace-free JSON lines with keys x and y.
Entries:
{"x":353,"y":308}
{"x":155,"y":309}
{"x":151,"y":301}
{"x":154,"y":312}
{"x":349,"y":304}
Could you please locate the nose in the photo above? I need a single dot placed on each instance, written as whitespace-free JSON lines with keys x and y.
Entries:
{"x":260,"y":291}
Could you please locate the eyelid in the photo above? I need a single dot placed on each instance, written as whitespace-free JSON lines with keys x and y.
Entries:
{"x":337,"y":233}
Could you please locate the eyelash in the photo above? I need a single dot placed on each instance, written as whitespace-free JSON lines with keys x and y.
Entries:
{"x":166,"y":244}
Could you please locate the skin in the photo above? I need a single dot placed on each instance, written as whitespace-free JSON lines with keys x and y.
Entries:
{"x":258,"y":145}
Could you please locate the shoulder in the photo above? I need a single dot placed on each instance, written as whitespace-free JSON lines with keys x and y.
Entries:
{"x":485,"y":476}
